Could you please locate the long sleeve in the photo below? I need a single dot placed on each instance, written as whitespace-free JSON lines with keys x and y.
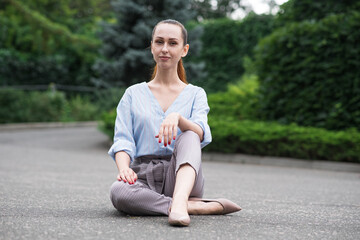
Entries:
{"x":124,"y":137}
{"x":199,"y":113}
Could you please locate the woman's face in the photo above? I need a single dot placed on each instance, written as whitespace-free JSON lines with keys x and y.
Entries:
{"x":167,"y":45}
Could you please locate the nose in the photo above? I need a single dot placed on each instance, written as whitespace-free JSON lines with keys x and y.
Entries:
{"x":164,"y":49}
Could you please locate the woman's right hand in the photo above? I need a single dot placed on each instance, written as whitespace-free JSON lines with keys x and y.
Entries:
{"x":127,"y":175}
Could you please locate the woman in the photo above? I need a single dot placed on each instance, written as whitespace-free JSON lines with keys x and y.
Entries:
{"x":160,"y":129}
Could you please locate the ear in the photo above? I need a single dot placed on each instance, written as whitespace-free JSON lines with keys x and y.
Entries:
{"x":185,"y":50}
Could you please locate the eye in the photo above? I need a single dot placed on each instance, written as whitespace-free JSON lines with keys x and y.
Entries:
{"x":173,"y":43}
{"x":159,"y":42}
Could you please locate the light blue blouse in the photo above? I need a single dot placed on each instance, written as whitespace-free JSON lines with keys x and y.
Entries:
{"x":139,"y":116}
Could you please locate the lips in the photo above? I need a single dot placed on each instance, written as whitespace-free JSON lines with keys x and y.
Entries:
{"x":164,"y":58}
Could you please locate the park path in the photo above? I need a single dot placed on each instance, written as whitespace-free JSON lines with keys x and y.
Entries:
{"x":55,"y":185}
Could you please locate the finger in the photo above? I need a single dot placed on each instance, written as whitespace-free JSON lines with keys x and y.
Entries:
{"x":127,"y":177}
{"x":118,"y":177}
{"x":175,"y":131}
{"x":166,"y":132}
{"x":170,"y":135}
{"x":132,"y":176}
{"x":160,"y":133}
{"x":122,"y":175}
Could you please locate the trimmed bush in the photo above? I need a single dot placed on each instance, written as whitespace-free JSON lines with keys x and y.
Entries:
{"x":46,"y":106}
{"x":239,"y":101}
{"x":81,"y":109}
{"x":18,"y":68}
{"x":300,"y":10}
{"x":225,"y":43}
{"x":310,"y":73}
{"x":273,"y":139}
{"x":107,"y":123}
{"x":108,"y":99}
{"x":21,"y":106}
{"x":13,"y":106}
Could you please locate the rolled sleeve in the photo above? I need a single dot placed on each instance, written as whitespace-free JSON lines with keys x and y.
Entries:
{"x":199,"y":115}
{"x":123,"y":137}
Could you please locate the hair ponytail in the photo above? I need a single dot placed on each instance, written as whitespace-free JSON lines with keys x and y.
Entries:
{"x":181,"y":71}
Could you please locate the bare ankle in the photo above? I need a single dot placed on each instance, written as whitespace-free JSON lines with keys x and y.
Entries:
{"x":179,"y":204}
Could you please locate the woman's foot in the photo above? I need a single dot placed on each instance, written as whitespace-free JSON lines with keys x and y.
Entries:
{"x":204,"y":208}
{"x":181,"y":220}
{"x":178,"y":214}
{"x":212,"y":206}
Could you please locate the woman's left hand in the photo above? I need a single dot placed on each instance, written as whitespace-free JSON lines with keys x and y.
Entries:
{"x":168,"y":128}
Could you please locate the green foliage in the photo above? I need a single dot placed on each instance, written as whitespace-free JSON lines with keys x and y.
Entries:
{"x":107,"y":124}
{"x":240,"y":101}
{"x":108,"y":99}
{"x":44,"y":41}
{"x":273,"y":139}
{"x":81,"y":109}
{"x":20,"y":106}
{"x":300,"y":10}
{"x":80,"y":16}
{"x":225,"y":44}
{"x":45,"y":107}
{"x":310,"y":73}
{"x":206,"y":9}
{"x":54,"y":28}
{"x":25,"y":69}
{"x":30,"y":30}
{"x":13,"y":106}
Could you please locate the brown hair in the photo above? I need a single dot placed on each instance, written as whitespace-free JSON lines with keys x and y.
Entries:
{"x":180,"y":68}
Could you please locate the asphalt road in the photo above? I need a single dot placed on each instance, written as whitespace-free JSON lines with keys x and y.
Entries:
{"x":54,"y":184}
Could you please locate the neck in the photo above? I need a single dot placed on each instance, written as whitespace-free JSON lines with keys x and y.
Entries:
{"x":166,"y":76}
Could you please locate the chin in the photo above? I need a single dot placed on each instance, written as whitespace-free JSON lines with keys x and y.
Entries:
{"x":165,"y":65}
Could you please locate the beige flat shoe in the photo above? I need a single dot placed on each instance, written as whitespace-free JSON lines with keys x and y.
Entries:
{"x":176,"y":219}
{"x":229,"y":206}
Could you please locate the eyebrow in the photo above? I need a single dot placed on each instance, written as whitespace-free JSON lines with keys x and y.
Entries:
{"x":169,"y":38}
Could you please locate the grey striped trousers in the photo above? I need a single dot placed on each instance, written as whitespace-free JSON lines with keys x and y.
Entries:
{"x":152,"y":192}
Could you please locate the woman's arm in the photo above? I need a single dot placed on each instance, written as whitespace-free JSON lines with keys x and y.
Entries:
{"x":197,"y":122}
{"x":168,"y":128}
{"x":185,"y":124}
{"x":126,"y":174}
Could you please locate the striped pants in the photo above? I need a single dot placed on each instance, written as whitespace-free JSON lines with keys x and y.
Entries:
{"x":152,"y":192}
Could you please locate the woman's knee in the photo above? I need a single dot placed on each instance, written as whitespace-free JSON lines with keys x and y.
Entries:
{"x":120,"y":194}
{"x":189,"y":137}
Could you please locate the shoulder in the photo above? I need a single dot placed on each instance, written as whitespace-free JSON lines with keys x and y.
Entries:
{"x":132,"y":91}
{"x":196,"y":90}
{"x":135,"y":88}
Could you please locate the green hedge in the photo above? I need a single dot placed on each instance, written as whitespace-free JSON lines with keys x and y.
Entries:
{"x":18,"y":68}
{"x":239,"y":101}
{"x":273,"y":139}
{"x":225,"y":43}
{"x":310,"y":73}
{"x":107,"y":123}
{"x":21,"y":106}
{"x":300,"y":10}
